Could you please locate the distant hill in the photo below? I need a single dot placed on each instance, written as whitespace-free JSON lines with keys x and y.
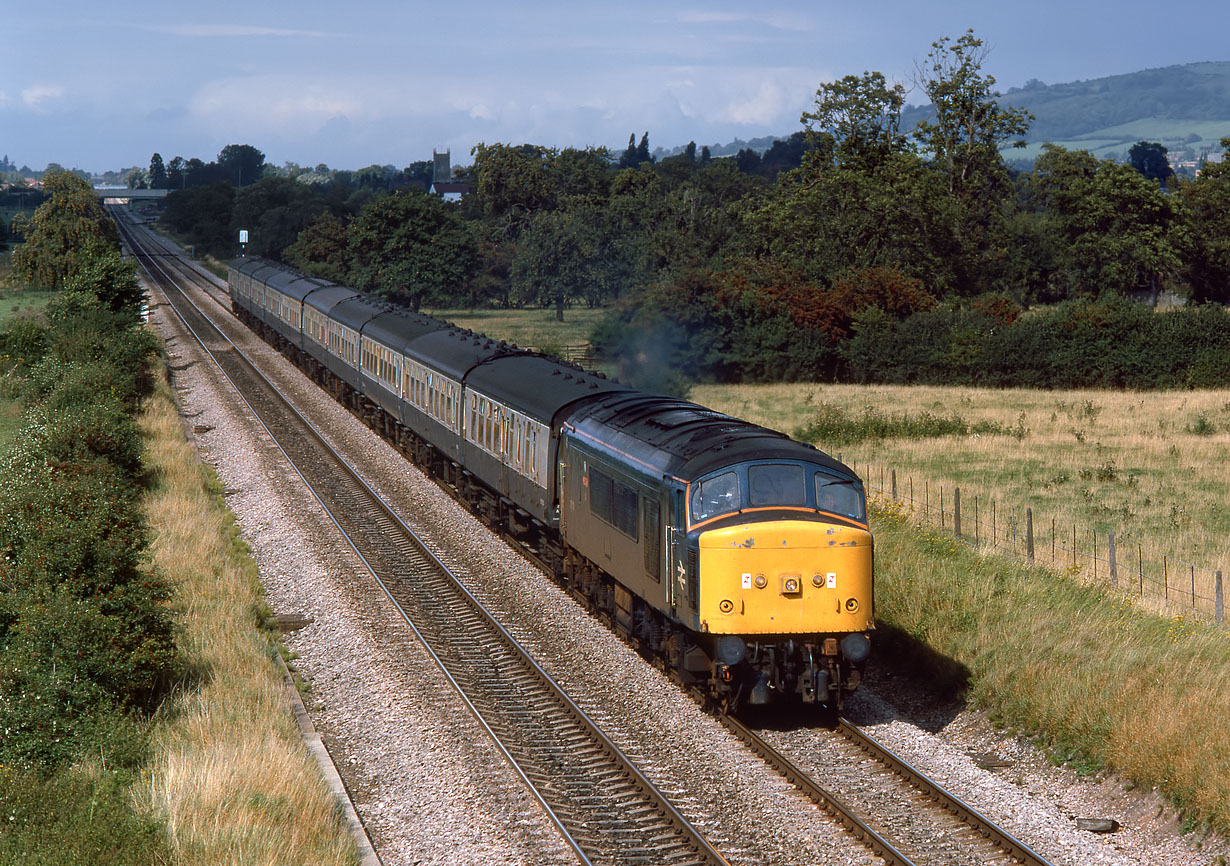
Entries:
{"x":1186,"y":108}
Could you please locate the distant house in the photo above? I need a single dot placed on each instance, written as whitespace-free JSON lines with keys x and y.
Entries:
{"x":442,"y":182}
{"x":450,"y":191}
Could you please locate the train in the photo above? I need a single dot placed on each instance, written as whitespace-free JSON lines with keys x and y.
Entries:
{"x":735,"y":557}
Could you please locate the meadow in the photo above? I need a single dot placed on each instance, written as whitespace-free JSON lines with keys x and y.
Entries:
{"x":1153,"y":468}
{"x":534,"y":327}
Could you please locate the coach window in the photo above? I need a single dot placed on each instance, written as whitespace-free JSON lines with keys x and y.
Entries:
{"x":713,"y":496}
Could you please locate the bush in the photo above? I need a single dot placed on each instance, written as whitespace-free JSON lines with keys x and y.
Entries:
{"x":75,"y":817}
{"x":1112,"y":343}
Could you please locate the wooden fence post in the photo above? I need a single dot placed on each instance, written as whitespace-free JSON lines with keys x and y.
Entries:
{"x":1218,"y":603}
{"x":894,"y":485}
{"x":1114,"y":569}
{"x":956,"y":511}
{"x":1029,"y":533}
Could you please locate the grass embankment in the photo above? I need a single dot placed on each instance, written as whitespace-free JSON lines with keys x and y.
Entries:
{"x":1100,"y":683}
{"x":1152,"y":467}
{"x":229,"y":773}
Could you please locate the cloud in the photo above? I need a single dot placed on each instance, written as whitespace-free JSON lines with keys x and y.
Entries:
{"x":41,"y":97}
{"x":228,"y":31}
{"x":790,"y":22}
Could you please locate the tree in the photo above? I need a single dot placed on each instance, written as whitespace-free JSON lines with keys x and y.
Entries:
{"x":556,"y":260}
{"x":1206,"y":202}
{"x":157,"y":172}
{"x":321,"y":249}
{"x":136,"y":179}
{"x":963,"y":141}
{"x":274,"y":210}
{"x":65,"y":231}
{"x":970,"y":125}
{"x":242,"y":163}
{"x":411,"y":247}
{"x":857,"y":120}
{"x":1120,"y":232}
{"x":112,"y":279}
{"x":1149,"y":158}
{"x":513,"y":183}
{"x":177,"y":174}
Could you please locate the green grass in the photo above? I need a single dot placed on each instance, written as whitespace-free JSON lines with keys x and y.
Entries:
{"x":533,"y":328}
{"x":1123,"y":691}
{"x":14,"y":301}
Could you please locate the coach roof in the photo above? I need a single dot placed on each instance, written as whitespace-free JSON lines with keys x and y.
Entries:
{"x":537,"y":385}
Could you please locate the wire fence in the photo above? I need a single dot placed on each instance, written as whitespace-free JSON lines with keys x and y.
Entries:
{"x":1160,"y":581}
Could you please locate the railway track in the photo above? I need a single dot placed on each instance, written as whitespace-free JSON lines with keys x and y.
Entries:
{"x":605,"y":808}
{"x":927,"y":823}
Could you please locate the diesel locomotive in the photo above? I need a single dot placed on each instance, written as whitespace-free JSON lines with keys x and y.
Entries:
{"x":737,"y":558}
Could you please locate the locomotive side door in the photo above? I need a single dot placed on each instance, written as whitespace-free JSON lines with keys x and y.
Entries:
{"x":676,"y":552}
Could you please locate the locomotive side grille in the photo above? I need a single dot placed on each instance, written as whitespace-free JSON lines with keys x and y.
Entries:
{"x":653,"y":540}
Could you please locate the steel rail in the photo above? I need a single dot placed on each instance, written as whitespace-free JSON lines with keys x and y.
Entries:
{"x":697,"y":841}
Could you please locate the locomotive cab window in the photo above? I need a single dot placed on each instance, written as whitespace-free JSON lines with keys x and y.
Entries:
{"x":714,"y":496}
{"x":838,"y":496}
{"x":776,"y":484}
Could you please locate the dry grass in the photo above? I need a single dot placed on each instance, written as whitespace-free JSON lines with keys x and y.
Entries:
{"x":1152,"y":467}
{"x":1124,"y":691}
{"x":230,"y":774}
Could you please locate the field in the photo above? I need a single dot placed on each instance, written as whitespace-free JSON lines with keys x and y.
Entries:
{"x":533,"y":328}
{"x":1152,"y":468}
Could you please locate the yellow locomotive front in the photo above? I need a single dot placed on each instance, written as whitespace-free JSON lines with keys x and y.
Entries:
{"x":782,"y":576}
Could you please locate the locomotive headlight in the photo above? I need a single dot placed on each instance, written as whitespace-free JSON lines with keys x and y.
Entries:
{"x":792,"y":584}
{"x":817,"y":581}
{"x":761,"y":581}
{"x":726,"y":605}
{"x":851,"y":605}
{"x":856,"y":647}
{"x":730,"y":650}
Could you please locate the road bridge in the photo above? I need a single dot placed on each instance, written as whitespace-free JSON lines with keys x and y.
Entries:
{"x":123,"y":195}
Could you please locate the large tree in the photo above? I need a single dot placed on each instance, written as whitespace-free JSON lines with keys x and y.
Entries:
{"x":242,"y":163}
{"x":963,"y":140}
{"x":856,"y":121}
{"x":1207,"y":203}
{"x":157,"y":173}
{"x":1118,"y":231}
{"x":67,"y":229}
{"x":1149,"y":158}
{"x":321,"y":249}
{"x":410,"y":247}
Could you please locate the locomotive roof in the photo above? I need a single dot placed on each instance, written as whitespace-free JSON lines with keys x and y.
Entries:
{"x":537,"y":385}
{"x":687,"y":439}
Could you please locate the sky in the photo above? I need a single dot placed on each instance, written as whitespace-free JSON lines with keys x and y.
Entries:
{"x":103,"y":86}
